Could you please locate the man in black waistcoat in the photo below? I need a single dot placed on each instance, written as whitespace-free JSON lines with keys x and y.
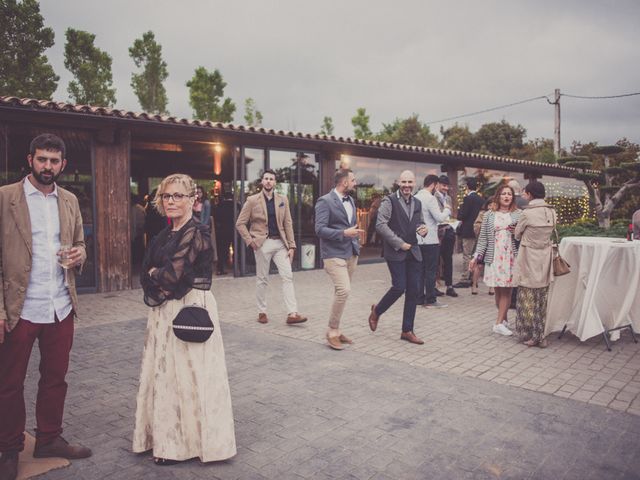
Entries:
{"x":399,"y":219}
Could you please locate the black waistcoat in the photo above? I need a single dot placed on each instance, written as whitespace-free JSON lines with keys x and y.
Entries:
{"x":400,"y":223}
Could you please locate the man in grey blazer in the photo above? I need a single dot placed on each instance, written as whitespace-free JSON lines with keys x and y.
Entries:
{"x":399,"y":219}
{"x":339,"y":247}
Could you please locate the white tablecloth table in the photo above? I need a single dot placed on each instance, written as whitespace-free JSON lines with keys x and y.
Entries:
{"x":601,"y":293}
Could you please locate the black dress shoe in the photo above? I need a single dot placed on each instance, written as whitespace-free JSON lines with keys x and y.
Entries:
{"x":451,"y":292}
{"x":439,"y":293}
{"x":462,"y":285}
{"x":9,"y":466}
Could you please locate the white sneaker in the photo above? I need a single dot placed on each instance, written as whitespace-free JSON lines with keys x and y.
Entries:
{"x":502,"y":330}
{"x":505,"y":323}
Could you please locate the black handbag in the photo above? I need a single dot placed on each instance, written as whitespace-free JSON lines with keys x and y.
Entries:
{"x":193,"y":324}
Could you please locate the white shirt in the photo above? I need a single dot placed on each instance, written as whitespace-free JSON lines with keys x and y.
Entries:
{"x":47,"y":294}
{"x":348,"y":206}
{"x":432,"y":217}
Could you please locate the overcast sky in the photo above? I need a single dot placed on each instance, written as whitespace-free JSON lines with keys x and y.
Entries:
{"x":303,"y":60}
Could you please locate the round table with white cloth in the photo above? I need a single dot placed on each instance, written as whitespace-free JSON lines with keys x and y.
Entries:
{"x":601,"y":293}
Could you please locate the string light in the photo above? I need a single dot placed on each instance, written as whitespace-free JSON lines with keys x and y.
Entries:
{"x":570,"y":201}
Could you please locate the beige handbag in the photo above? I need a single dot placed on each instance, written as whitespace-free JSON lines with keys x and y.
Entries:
{"x":560,"y":265}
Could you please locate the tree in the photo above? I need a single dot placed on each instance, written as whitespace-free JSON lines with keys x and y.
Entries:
{"x":499,"y":138}
{"x":91,"y":68}
{"x":361,"y":125}
{"x":26,"y":72}
{"x":458,"y":137}
{"x":537,"y":150}
{"x":147,"y":85}
{"x":327,"y":126}
{"x":252,"y":116}
{"x":408,"y":131}
{"x":206,"y":90}
{"x":620,"y":174}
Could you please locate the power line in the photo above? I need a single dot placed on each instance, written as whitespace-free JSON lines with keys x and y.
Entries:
{"x":599,"y":98}
{"x":489,"y":109}
{"x":546,"y":97}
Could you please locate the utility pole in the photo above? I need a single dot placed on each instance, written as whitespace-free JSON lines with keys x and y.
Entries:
{"x":556,"y":130}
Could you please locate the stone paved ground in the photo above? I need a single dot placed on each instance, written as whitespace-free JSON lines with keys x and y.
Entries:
{"x":304,"y":412}
{"x":458,"y":339}
{"x":383,"y":409}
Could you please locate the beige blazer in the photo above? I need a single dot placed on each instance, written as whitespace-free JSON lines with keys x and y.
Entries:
{"x":15,"y":246}
{"x":252,"y":223}
{"x":535,"y":256}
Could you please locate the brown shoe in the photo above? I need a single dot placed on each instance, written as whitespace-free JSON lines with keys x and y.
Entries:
{"x":9,"y":466}
{"x":334,"y":342}
{"x":262,"y":318}
{"x":295,"y":318}
{"x":345,"y":339}
{"x":61,"y":448}
{"x":373,"y":319}
{"x":411,"y":338}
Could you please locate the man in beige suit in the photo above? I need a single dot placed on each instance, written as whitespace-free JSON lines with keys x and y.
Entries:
{"x":40,"y":230}
{"x":265,"y":225}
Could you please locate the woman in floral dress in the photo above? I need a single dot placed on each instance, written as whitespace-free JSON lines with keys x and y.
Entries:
{"x":497,"y":248}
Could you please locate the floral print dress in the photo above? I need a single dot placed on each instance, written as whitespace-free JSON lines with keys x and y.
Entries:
{"x":501,"y":272}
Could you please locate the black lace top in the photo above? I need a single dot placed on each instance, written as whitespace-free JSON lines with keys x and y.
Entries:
{"x":183,"y":260}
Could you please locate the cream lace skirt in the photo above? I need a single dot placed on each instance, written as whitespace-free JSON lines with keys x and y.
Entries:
{"x":184,"y":403}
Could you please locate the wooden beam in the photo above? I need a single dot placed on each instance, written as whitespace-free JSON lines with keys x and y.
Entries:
{"x":113,"y":240}
{"x":161,"y":147}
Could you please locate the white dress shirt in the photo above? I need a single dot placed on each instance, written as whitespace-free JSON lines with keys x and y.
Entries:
{"x":432,"y":217}
{"x":346,"y":205}
{"x":47,"y":294}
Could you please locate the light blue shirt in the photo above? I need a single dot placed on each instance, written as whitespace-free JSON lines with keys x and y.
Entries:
{"x":47,"y":293}
{"x":432,"y":217}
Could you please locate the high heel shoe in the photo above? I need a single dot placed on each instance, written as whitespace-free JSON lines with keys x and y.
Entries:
{"x":491,"y":291}
{"x":474,"y":289}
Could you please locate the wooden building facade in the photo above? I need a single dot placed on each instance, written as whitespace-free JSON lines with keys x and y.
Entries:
{"x":114,"y":153}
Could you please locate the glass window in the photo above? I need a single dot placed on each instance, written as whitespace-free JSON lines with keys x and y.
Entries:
{"x":375,"y":179}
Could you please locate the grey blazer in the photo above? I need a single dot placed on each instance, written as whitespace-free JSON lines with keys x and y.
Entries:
{"x":331,"y":221}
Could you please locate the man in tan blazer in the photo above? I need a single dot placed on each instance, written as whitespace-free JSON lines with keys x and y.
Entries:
{"x":265,"y":225}
{"x":40,"y":230}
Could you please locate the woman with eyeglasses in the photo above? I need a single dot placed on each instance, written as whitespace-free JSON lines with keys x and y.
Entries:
{"x":183,"y":404}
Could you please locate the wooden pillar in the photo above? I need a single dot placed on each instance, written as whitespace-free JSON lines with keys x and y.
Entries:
{"x":328,"y":170}
{"x":113,"y":207}
{"x":452,"y":173}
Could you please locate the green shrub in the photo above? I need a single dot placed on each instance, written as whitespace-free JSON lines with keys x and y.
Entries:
{"x":588,"y":228}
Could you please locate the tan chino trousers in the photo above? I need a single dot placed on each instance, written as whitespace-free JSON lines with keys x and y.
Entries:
{"x":340,"y":271}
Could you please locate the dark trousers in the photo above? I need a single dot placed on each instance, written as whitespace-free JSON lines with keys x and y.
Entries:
{"x":405,"y":277}
{"x":224,"y":242}
{"x":427,"y":285}
{"x":446,"y":256}
{"x":54,"y":341}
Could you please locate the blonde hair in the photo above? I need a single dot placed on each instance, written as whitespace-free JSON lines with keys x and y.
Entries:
{"x":185,"y":181}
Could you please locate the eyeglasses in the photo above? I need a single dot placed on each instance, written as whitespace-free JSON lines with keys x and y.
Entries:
{"x":176,"y":197}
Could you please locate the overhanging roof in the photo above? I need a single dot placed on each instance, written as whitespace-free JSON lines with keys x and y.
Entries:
{"x":328,"y":142}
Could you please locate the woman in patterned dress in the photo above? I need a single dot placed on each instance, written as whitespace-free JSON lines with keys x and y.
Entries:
{"x":535,"y":259}
{"x":497,"y":248}
{"x":184,"y":403}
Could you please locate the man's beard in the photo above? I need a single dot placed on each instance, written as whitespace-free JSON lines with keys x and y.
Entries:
{"x":267,"y":189}
{"x":46,"y":181}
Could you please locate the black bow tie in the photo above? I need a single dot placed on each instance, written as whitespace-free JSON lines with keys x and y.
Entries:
{"x":345,"y":199}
